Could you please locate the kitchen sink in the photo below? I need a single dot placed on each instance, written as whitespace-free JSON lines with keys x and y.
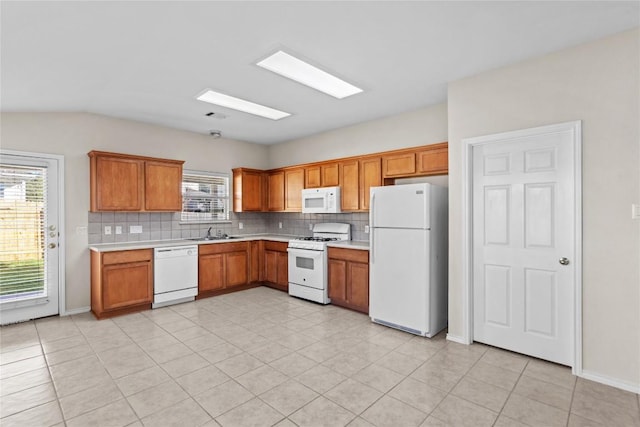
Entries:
{"x":204,"y":239}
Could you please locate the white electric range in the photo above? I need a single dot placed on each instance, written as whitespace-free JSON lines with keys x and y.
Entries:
{"x":308,"y":261}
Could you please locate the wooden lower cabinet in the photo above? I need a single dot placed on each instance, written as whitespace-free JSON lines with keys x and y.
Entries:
{"x":225,"y":267}
{"x":348,"y":271}
{"x":121,"y":282}
{"x":276,"y":265}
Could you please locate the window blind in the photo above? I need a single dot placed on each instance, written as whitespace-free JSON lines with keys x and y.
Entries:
{"x":205,"y":196}
{"x":23,"y":212}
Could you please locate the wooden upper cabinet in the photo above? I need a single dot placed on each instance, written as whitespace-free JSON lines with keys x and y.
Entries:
{"x":399,"y":165}
{"x":248,"y":190}
{"x":312,"y":177}
{"x":323,"y":175}
{"x":350,"y":188}
{"x":116,"y":184}
{"x":275,"y":191}
{"x":330,"y":174}
{"x":293,"y":185}
{"x":163,"y":186}
{"x":427,"y":160}
{"x":280,"y":189}
{"x":370,"y":176}
{"x":121,"y":182}
{"x":434,"y":161}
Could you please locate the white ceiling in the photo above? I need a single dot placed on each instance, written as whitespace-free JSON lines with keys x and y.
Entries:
{"x":148,"y":60}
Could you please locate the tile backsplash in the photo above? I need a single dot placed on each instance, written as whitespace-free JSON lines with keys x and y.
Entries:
{"x":166,"y":226}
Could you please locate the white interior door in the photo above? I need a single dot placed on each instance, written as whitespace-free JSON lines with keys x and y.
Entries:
{"x":29,"y":237}
{"x":524,"y":243}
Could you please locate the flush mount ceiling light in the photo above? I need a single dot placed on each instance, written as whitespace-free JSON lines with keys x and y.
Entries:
{"x":295,"y":69}
{"x":241,"y":105}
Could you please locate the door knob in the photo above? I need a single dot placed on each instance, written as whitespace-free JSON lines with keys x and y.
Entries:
{"x":52,"y":245}
{"x":563,"y":261}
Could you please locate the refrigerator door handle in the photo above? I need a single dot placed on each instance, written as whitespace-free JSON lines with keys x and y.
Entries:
{"x":371,"y":229}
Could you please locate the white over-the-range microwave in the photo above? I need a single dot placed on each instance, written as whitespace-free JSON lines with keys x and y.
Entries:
{"x":321,"y":200}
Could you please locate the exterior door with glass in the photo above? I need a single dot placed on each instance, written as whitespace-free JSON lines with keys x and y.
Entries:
{"x":29,"y":236}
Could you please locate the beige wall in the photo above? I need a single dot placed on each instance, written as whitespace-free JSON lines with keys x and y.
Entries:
{"x":411,"y":129}
{"x":597,"y":83}
{"x":74,"y":135}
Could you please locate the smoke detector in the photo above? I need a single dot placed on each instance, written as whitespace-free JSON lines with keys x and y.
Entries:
{"x":215,"y":134}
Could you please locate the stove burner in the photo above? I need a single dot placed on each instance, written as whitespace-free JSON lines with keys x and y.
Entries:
{"x":318,"y":239}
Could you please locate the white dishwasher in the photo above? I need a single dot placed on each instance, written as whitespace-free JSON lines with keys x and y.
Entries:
{"x":175,"y":275}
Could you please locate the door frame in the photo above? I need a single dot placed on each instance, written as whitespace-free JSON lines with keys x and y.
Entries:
{"x":62,"y":305}
{"x":467,"y":228}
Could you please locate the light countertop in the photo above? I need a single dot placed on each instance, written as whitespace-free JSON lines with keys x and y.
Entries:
{"x":150,"y":244}
{"x":350,"y":244}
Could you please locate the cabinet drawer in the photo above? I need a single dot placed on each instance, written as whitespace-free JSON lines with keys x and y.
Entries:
{"x":218,"y":248}
{"x":275,"y":246}
{"x":356,"y":255}
{"x":121,"y":257}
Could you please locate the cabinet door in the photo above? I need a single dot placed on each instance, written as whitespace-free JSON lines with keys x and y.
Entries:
{"x":275,"y":199}
{"x":247,"y":190}
{"x":127,"y":284}
{"x":312,"y":177}
{"x":236,"y":267}
{"x":119,"y":184}
{"x":370,"y":176}
{"x":330,"y":175}
{"x":163,"y":186}
{"x":337,"y":270}
{"x":350,"y":185}
{"x":271,"y":266}
{"x":283,"y":269}
{"x":399,"y":165}
{"x":210,"y":272}
{"x":358,"y":279}
{"x":293,"y":184}
{"x":433,"y":161}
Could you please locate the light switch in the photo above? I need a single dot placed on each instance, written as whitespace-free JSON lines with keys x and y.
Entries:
{"x":118,"y":229}
{"x":240,"y":225}
{"x":81,"y":231}
{"x":279,"y":225}
{"x":135,"y":229}
{"x":635,"y":211}
{"x":366,"y":228}
{"x":107,"y":229}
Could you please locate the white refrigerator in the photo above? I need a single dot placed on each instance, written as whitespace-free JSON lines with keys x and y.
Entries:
{"x":408,"y":269}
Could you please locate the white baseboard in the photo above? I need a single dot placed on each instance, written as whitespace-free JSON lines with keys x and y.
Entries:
{"x":459,"y":340}
{"x":613,"y":382}
{"x":75,"y":311}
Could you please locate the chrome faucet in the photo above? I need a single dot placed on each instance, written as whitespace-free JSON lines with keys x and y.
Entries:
{"x":209,"y":236}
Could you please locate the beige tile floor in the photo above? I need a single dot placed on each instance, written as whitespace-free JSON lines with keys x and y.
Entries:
{"x":261,"y":358}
